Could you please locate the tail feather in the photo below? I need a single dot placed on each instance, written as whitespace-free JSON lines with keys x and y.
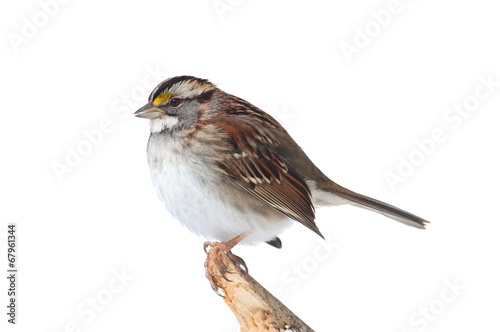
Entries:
{"x":387,"y":210}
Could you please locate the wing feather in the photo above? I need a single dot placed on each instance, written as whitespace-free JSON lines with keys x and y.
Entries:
{"x":255,"y":165}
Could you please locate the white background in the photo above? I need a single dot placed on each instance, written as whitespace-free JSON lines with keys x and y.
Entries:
{"x":355,"y":119}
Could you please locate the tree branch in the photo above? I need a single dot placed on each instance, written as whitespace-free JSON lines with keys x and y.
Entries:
{"x":254,"y":307}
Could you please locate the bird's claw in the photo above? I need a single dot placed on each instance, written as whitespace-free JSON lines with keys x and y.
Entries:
{"x":214,"y":250}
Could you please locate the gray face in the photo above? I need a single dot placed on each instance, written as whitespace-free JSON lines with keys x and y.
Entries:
{"x":176,"y":103}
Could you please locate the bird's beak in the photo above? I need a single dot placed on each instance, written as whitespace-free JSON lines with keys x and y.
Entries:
{"x":149,"y":112}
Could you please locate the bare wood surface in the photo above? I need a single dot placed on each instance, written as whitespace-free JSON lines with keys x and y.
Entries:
{"x":254,"y":307}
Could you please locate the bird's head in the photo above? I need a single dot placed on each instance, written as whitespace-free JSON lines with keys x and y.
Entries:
{"x":177,"y":103}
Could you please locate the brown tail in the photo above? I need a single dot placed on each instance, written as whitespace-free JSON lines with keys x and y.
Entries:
{"x":378,"y":206}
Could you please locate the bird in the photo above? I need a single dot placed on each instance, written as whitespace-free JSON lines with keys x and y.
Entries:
{"x":231,"y":173}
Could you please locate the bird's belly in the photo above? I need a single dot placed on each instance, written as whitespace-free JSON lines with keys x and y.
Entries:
{"x":209,"y":208}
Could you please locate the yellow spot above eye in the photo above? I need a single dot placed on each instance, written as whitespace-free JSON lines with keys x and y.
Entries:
{"x":162,"y":97}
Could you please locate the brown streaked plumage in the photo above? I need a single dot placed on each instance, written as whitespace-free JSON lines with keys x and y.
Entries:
{"x":241,"y":162}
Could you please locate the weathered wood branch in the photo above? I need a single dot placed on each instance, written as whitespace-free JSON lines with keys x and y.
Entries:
{"x":254,"y":307}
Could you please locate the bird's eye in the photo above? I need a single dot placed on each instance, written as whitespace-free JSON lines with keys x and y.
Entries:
{"x":175,"y":102}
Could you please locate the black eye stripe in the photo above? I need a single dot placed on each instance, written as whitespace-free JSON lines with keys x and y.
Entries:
{"x":176,"y":101}
{"x":205,"y":96}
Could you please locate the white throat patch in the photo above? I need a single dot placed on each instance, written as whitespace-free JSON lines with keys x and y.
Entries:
{"x":162,"y":123}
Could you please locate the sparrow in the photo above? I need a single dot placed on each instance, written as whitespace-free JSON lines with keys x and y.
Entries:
{"x":229,"y":172}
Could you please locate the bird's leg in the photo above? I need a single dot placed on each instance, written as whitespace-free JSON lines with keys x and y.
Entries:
{"x":214,"y":251}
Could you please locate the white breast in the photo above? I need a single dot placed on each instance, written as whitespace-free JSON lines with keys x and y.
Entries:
{"x":201,"y":203}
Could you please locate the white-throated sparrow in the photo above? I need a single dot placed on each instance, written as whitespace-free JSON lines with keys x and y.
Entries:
{"x":230,"y":172}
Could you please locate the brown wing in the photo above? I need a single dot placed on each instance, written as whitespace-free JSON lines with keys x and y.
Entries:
{"x":255,"y":165}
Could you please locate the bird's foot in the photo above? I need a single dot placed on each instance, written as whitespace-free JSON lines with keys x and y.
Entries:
{"x":215,"y":267}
